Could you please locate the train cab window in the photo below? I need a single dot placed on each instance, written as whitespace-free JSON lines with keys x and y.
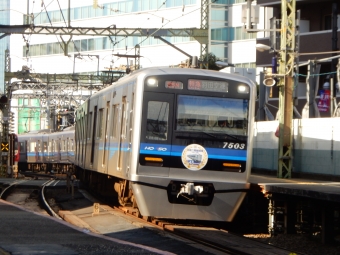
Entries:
{"x":220,"y":115}
{"x":157,"y":120}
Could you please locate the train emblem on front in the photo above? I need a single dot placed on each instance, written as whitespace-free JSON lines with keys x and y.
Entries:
{"x":194,"y":157}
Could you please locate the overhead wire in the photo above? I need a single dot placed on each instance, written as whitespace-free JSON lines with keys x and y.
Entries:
{"x":163,"y":25}
{"x":66,"y":25}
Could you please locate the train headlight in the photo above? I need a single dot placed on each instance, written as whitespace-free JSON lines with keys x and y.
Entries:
{"x":153,"y":159}
{"x":243,"y":89}
{"x":152,"y":82}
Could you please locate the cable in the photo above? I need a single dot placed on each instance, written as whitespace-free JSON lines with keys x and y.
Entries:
{"x":66,"y":26}
{"x":164,"y":26}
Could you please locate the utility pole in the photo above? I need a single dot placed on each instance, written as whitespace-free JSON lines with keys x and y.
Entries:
{"x":286,"y":87}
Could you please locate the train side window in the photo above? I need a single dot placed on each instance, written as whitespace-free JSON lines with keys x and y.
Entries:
{"x":157,"y":120}
{"x":89,"y":126}
{"x":32,"y":146}
{"x":93,"y":134}
{"x":22,"y":146}
{"x":100,"y":124}
{"x":114,"y":119}
{"x":71,"y":145}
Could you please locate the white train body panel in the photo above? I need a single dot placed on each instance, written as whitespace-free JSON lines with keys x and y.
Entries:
{"x":185,"y":148}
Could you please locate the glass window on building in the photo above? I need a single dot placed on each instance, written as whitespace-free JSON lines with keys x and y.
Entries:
{"x":92,"y":12}
{"x":43,"y":17}
{"x":64,"y":15}
{"x":106,"y":43}
{"x":43,"y":49}
{"x":76,"y":13}
{"x":153,"y":5}
{"x":219,"y":15}
{"x":56,"y":48}
{"x":122,"y":7}
{"x":169,"y":3}
{"x":70,"y":47}
{"x":222,"y":34}
{"x":37,"y":18}
{"x":130,"y":42}
{"x":220,"y":51}
{"x":90,"y":44}
{"x":84,"y":45}
{"x":137,"y":5}
{"x":49,"y":48}
{"x":129,"y":6}
{"x":106,"y":10}
{"x":99,"y":12}
{"x":56,"y":16}
{"x":98,"y":42}
{"x":76,"y":45}
{"x":178,"y":2}
{"x":145,"y":6}
{"x":85,"y":12}
{"x":114,"y":8}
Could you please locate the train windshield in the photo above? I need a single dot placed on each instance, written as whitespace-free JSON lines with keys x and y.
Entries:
{"x":212,"y":115}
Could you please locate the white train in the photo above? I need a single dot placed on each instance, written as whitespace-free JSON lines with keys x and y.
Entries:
{"x":176,"y":143}
{"x":46,"y":151}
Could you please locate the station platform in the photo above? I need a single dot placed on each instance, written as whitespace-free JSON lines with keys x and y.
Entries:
{"x":308,"y":188}
{"x":79,"y":230}
{"x":25,"y":232}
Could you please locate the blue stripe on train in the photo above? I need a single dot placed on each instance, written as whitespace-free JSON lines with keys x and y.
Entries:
{"x":175,"y":150}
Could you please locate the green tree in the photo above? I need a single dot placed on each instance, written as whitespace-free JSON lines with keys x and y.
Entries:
{"x":211,"y":59}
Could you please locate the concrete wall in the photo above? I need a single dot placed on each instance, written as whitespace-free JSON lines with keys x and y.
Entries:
{"x":316,"y":146}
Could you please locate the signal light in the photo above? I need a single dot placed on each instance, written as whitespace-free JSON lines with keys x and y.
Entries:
{"x":4,"y":147}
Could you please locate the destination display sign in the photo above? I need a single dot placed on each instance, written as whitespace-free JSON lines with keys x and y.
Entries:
{"x":205,"y":85}
{"x":173,"y":85}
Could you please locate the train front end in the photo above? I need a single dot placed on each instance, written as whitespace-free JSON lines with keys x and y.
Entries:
{"x":195,"y":145}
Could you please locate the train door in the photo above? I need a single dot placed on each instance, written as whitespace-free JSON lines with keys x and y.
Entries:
{"x":38,"y":151}
{"x":156,"y":135}
{"x":106,"y":138}
{"x":122,"y":137}
{"x":23,"y":155}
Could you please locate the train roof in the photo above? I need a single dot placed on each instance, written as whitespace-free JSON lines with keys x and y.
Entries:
{"x":165,"y":70}
{"x":185,"y":71}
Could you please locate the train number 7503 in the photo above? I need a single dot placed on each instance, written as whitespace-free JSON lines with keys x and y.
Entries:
{"x":236,"y":146}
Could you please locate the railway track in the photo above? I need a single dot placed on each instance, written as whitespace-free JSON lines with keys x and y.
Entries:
{"x":217,"y":241}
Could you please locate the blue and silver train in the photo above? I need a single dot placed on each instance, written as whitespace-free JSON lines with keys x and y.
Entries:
{"x":46,"y":151}
{"x":176,"y":143}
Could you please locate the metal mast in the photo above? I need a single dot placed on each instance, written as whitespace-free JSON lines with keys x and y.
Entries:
{"x":205,"y":26}
{"x":286,"y":87}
